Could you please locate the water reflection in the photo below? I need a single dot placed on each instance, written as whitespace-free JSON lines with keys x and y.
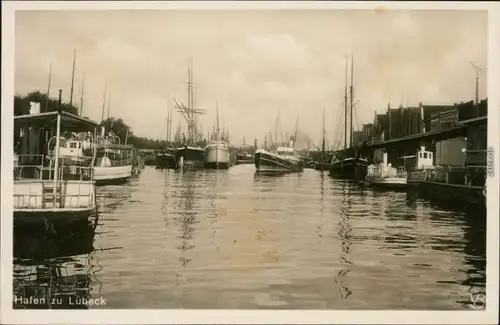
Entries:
{"x":230,"y":239}
{"x":186,"y":217}
{"x":345,"y":242}
{"x":55,"y":267}
{"x":475,"y":255}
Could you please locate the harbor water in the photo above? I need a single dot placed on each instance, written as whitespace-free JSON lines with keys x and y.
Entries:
{"x":230,"y":239}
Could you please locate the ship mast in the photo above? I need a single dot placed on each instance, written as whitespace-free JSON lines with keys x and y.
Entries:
{"x":48,"y":89}
{"x":167,"y":133}
{"x":345,"y":106}
{"x":103,"y":104}
{"x":276,"y":131}
{"x":72,"y":79}
{"x":323,"y":142}
{"x":351,"y":100}
{"x":109,"y":105}
{"x":218,"y":130}
{"x":296,"y":132}
{"x":81,"y":97}
{"x":189,"y":111}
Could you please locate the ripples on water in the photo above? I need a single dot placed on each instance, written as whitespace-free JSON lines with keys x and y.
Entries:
{"x":230,"y":239}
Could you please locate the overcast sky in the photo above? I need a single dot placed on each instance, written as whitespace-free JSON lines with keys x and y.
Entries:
{"x":253,"y":62}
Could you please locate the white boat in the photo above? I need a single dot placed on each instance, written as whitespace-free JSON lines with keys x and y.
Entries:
{"x":283,"y":160}
{"x":50,"y":186}
{"x":217,"y":150}
{"x":384,"y":175}
{"x":113,"y":163}
{"x":217,"y":154}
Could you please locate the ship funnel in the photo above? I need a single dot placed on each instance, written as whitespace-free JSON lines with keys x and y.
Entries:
{"x":103,"y":131}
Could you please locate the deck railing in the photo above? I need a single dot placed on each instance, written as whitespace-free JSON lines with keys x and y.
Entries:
{"x":455,"y":176}
{"x":35,"y":187}
{"x":40,"y":194}
{"x":34,"y":166}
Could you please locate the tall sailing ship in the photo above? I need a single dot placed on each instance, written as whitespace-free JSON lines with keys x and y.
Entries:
{"x":217,"y":150}
{"x":349,"y":162}
{"x":166,"y":158}
{"x":191,"y":154}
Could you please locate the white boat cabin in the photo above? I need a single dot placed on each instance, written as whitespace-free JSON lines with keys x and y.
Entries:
{"x":288,"y":153}
{"x":114,"y":155}
{"x":74,"y":148}
{"x":285,"y":151}
{"x":425,"y":159}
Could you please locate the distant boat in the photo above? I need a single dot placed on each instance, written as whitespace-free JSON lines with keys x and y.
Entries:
{"x":217,"y":150}
{"x":322,"y":166}
{"x":217,"y":155}
{"x":166,"y":158}
{"x":283,"y":160}
{"x":386,"y":176}
{"x":244,"y":158}
{"x":190,"y":157}
{"x":351,"y":167}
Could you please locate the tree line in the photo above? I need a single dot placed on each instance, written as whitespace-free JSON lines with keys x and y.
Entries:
{"x":115,"y":125}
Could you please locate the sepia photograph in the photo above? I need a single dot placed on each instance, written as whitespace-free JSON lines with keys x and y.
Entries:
{"x":239,"y":162}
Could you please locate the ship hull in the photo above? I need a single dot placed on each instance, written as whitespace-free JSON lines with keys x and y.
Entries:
{"x":465,"y":194}
{"x":387,"y":182}
{"x":350,"y":168}
{"x":112,"y":175}
{"x":217,"y":156}
{"x":190,"y":158}
{"x":266,"y":162}
{"x":165,"y":161}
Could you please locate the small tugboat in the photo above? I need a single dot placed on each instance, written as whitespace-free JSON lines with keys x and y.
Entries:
{"x":386,"y":176}
{"x":283,"y":160}
{"x":350,"y":167}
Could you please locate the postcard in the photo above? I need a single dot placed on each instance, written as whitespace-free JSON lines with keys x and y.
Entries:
{"x":257,"y":162}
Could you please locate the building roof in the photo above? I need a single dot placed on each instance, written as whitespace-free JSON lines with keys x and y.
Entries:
{"x":69,"y":122}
